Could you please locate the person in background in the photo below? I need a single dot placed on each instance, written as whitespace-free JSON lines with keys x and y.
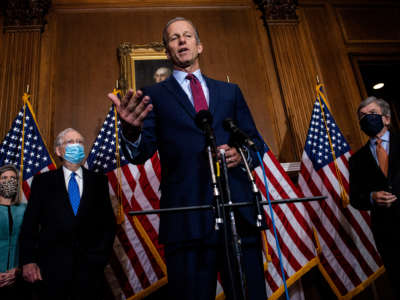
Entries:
{"x":161,"y":74}
{"x":375,"y":182}
{"x":68,"y":229}
{"x":11,"y":215}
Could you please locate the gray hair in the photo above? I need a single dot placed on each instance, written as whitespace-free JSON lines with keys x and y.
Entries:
{"x":385,"y":107}
{"x":165,"y":34}
{"x":17,"y":199}
{"x":164,"y":70}
{"x":60,"y":137}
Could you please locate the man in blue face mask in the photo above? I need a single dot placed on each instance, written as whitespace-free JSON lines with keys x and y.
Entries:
{"x":69,"y":226}
{"x":375,"y":181}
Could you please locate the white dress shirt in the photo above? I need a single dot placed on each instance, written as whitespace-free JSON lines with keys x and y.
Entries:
{"x":184,"y":83}
{"x":78,"y":177}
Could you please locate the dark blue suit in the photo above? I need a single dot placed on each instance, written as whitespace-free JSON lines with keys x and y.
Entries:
{"x":367,"y":177}
{"x":170,"y":128}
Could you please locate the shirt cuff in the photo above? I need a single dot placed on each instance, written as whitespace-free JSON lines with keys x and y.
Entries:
{"x":131,"y":148}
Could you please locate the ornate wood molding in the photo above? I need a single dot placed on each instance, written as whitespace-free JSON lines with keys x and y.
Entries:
{"x":25,"y":14}
{"x":277,"y":10}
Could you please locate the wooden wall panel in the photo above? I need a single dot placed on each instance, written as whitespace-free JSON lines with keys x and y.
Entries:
{"x":19,"y":67}
{"x":369,"y":24}
{"x":84,"y":66}
{"x":335,"y":70}
{"x":297,"y":74}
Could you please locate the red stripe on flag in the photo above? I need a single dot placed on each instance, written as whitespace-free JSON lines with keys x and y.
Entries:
{"x":153,"y":235}
{"x":127,"y":207}
{"x":340,"y":229}
{"x":319,"y":225}
{"x":132,"y":255}
{"x":120,"y":275}
{"x":147,"y":189}
{"x":155,"y":161}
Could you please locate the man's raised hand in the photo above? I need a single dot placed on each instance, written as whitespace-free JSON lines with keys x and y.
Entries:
{"x":133,"y":108}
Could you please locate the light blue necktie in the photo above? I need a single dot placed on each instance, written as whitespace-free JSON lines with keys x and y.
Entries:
{"x":73,"y":191}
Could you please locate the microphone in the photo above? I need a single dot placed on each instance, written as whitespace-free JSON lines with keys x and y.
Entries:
{"x":203,"y":120}
{"x":238,"y":135}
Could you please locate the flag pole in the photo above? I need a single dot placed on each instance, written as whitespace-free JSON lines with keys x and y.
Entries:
{"x":25,"y":99}
{"x":343,"y":195}
{"x":121,"y":215}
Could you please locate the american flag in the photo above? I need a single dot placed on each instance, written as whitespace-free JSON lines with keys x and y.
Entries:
{"x":295,"y":235}
{"x":348,"y":257}
{"x":24,"y":141}
{"x":137,"y":266}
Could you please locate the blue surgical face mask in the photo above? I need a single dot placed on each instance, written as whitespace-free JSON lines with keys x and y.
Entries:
{"x":74,"y":153}
{"x":371,"y":124}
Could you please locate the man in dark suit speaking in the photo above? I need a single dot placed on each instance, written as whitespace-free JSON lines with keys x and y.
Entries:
{"x":162,"y":117}
{"x":69,"y":226}
{"x":375,"y":181}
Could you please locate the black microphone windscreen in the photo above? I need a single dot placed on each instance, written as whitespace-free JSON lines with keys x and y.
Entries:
{"x":228,"y":124}
{"x":203,"y":117}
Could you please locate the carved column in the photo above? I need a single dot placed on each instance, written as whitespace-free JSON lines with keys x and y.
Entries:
{"x":23,"y":24}
{"x":295,"y":70}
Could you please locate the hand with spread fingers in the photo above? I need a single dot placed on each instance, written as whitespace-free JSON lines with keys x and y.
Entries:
{"x":233,"y":157}
{"x":133,"y":108}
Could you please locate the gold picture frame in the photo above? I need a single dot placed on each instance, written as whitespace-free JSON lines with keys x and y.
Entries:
{"x":138,"y":64}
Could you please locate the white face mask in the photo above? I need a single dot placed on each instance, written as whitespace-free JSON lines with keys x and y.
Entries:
{"x":9,"y":188}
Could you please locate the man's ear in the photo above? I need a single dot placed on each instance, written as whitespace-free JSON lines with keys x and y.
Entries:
{"x":386,"y":120}
{"x":58,"y":151}
{"x":200,"y":48}
{"x":167,"y":53}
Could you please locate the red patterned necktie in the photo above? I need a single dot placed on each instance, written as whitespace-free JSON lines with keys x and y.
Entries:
{"x":382,"y":157}
{"x":199,"y":100}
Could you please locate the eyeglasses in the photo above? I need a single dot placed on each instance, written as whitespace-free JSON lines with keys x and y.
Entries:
{"x":73,"y":142}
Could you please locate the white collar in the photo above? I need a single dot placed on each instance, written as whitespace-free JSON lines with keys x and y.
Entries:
{"x":67,"y":172}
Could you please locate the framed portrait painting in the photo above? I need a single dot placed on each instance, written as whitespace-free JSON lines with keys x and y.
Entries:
{"x":142,"y":65}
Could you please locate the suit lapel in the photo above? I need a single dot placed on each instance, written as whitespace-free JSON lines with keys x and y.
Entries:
{"x":173,"y":86}
{"x":64,"y":197}
{"x":213,"y":94}
{"x":84,"y":199}
{"x":371,"y":161}
{"x":394,"y":150}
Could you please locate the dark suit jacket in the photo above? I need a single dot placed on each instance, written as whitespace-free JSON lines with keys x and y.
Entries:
{"x":62,"y":244}
{"x":185,"y":181}
{"x":367,"y":177}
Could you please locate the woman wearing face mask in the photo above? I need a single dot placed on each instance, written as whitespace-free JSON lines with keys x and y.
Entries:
{"x":11,"y":215}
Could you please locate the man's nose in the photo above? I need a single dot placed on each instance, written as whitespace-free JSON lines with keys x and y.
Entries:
{"x":182,"y":40}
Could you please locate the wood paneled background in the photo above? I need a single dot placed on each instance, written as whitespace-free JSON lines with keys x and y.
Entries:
{"x":72,"y":64}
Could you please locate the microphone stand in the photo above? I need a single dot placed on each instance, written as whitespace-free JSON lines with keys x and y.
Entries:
{"x":215,"y":186}
{"x":236,"y":242}
{"x":254,"y":188}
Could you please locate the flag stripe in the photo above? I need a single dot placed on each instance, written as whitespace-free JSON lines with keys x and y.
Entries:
{"x":348,"y":254}
{"x":136,"y":237}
